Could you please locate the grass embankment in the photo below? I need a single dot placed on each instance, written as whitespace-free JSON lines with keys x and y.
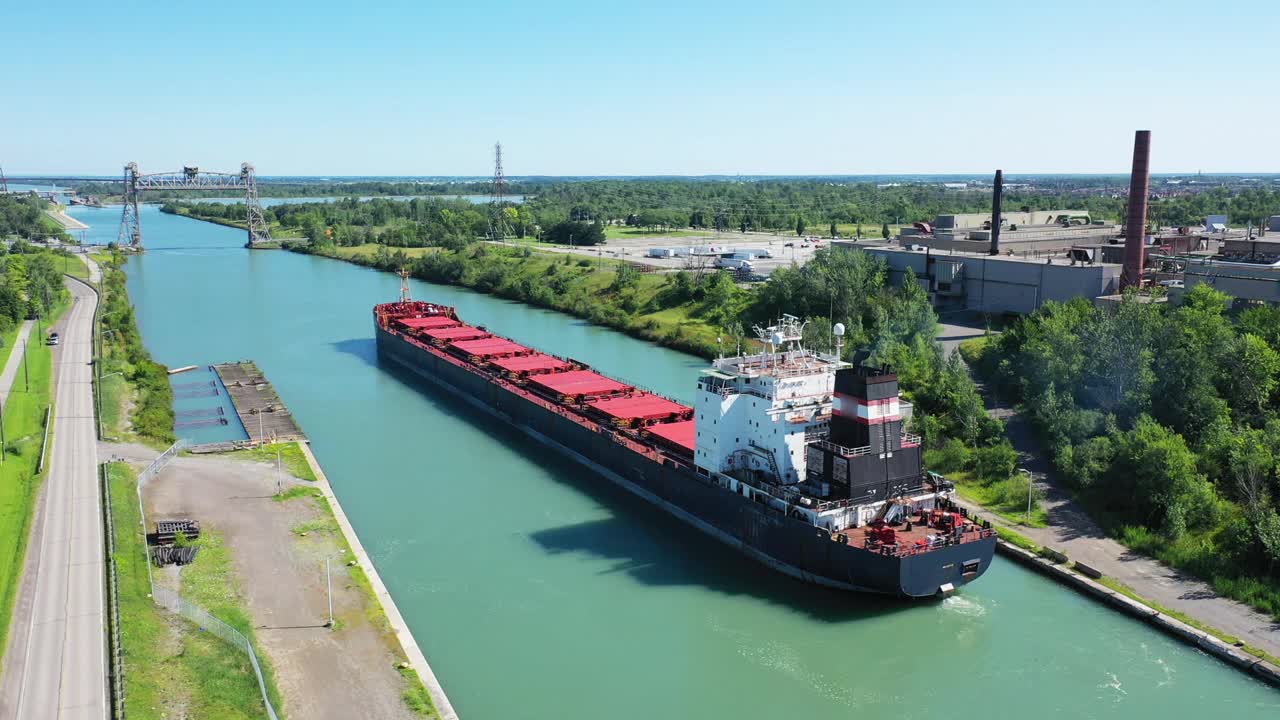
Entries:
{"x":137,"y":401}
{"x":24,"y":416}
{"x":607,"y":292}
{"x":172,"y":668}
{"x":414,"y":692}
{"x":278,"y":231}
{"x":290,"y":456}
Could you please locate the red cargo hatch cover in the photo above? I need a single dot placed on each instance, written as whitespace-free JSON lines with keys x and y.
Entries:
{"x":435,"y":321}
{"x":488,"y":347}
{"x":464,"y":332}
{"x":527,"y":363}
{"x":677,"y":433}
{"x":578,"y":382}
{"x":641,"y":406}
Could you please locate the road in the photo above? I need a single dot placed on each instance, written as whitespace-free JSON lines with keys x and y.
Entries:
{"x":56,"y":660}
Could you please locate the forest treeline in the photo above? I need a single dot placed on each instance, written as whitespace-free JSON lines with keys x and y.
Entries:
{"x":761,"y":205}
{"x":1166,"y":422}
{"x":30,"y":283}
{"x":22,"y":215}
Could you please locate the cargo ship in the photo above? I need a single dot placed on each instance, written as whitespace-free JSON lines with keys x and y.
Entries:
{"x":792,"y":457}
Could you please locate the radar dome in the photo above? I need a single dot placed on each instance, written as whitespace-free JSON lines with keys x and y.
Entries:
{"x":838,"y":329}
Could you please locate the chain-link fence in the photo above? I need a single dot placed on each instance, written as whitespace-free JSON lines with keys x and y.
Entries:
{"x":174,"y":603}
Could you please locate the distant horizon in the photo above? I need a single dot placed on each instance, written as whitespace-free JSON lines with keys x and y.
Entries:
{"x":18,"y":176}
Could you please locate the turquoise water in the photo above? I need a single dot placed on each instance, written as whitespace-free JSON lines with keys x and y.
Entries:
{"x":536,"y":590}
{"x":202,"y":408}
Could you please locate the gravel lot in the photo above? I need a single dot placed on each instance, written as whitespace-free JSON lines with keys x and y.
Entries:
{"x":321,"y":673}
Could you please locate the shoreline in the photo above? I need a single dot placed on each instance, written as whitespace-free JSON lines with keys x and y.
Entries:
{"x":1255,"y":667}
{"x":66,"y":221}
{"x":640,"y":331}
{"x":408,"y":643}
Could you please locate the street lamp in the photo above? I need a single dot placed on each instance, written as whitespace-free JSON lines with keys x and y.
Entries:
{"x":1030,"y":479}
{"x":328,"y":580}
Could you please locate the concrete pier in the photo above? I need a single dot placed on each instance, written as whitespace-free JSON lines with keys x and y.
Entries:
{"x":263,"y":415}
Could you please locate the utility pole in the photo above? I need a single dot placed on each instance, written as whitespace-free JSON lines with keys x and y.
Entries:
{"x":328,"y":580}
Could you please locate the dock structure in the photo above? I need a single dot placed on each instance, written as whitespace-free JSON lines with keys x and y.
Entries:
{"x":264,"y":417}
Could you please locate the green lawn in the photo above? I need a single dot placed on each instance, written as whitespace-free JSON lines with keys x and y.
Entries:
{"x":73,"y":265}
{"x":348,"y":252}
{"x":172,"y":667}
{"x":1006,"y":498}
{"x":24,"y":416}
{"x":615,"y":232}
{"x":295,"y":463}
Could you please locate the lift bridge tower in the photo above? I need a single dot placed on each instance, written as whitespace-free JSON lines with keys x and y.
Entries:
{"x":191,"y":178}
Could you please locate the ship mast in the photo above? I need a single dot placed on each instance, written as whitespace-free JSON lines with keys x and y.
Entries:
{"x":404,"y":285}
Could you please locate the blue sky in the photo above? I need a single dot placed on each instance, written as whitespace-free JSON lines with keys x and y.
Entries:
{"x":806,"y":87}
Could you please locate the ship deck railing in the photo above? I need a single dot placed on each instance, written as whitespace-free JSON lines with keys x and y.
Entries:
{"x":908,"y":440}
{"x":907,"y":544}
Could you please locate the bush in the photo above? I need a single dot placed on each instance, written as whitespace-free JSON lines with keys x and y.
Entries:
{"x":954,"y":456}
{"x":996,"y":462}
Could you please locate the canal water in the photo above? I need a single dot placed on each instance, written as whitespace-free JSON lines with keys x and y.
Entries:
{"x":537,"y":591}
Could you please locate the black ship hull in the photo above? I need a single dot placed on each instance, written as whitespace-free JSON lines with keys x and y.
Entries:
{"x":785,"y":544}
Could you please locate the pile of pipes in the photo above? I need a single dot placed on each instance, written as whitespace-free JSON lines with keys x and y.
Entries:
{"x":171,"y":542}
{"x":173,"y":555}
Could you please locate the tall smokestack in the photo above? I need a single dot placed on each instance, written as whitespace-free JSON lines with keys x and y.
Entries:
{"x":1135,"y":232}
{"x":996,"y":195}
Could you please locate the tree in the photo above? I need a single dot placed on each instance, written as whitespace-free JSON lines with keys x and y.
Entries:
{"x":1253,"y":369}
{"x":1154,"y":480}
{"x":800,"y":225}
{"x":884,"y":231}
{"x":833,"y":229}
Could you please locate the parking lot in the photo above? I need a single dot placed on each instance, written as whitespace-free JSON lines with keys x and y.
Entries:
{"x":784,"y":249}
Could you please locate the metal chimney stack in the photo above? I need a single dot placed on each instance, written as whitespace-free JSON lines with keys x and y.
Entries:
{"x":996,"y":196}
{"x":1135,"y":232}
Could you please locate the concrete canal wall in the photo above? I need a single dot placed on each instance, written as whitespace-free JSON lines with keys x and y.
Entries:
{"x":1262,"y":669}
{"x":407,"y":642}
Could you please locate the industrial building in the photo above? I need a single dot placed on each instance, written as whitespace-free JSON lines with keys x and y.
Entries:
{"x":1246,"y":269}
{"x":996,"y":284}
{"x":1021,"y":233}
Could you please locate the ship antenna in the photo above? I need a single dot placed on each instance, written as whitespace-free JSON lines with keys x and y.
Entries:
{"x":404,"y":285}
